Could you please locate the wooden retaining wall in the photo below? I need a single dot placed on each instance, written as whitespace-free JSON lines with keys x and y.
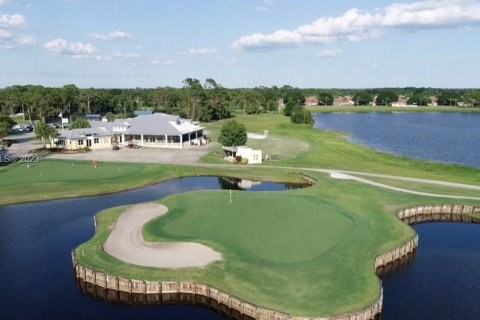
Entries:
{"x":107,"y":286}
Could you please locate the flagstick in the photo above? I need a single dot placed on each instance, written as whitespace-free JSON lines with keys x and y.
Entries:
{"x":230,"y":196}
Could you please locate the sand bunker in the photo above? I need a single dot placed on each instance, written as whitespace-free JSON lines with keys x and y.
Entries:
{"x":126,"y":243}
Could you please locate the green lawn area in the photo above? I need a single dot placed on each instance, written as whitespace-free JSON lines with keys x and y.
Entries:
{"x":51,"y":179}
{"x":329,"y":149}
{"x":425,"y":187}
{"x":296,"y":251}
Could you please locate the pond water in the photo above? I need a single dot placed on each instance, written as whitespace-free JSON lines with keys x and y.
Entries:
{"x":438,"y":136}
{"x":37,"y":279}
{"x":36,"y":239}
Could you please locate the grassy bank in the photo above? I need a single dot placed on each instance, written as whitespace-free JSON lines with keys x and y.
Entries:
{"x":52,"y":179}
{"x":306,"y":252}
{"x":303,"y":146}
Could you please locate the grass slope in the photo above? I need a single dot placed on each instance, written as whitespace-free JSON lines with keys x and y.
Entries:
{"x":50,"y":179}
{"x":328,"y":149}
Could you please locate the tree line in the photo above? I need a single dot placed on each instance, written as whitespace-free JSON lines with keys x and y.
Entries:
{"x":207,"y":101}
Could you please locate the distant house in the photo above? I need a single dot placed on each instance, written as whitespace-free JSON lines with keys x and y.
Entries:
{"x":433,"y":101}
{"x":343,"y":101}
{"x":253,"y":156}
{"x":401,"y":102}
{"x":311,"y":101}
{"x":156,"y":130}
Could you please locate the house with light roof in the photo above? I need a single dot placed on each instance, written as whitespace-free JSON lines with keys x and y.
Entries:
{"x":156,"y":130}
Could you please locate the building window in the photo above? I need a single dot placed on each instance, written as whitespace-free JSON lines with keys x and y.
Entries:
{"x":61,"y":142}
{"x":96,"y":140}
{"x":80,"y":142}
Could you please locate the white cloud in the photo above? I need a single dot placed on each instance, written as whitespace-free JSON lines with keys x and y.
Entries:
{"x":357,"y":25}
{"x":12,"y":21}
{"x":204,"y":51}
{"x":111,"y":36}
{"x":10,"y":41}
{"x":266,"y":5}
{"x":164,"y":62}
{"x":333,"y":53}
{"x":75,"y":50}
{"x":5,"y":34}
{"x":2,"y":2}
{"x":261,"y":8}
{"x":125,"y":56}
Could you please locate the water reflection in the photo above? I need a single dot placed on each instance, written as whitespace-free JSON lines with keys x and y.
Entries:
{"x":150,"y":299}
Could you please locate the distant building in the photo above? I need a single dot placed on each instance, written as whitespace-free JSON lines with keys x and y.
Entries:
{"x":433,"y":101}
{"x":155,"y":130}
{"x":401,"y":102}
{"x":343,"y":101}
{"x":252,"y":156}
{"x":311,"y":101}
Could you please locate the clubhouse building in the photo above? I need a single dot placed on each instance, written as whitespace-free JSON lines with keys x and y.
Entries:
{"x":155,"y":130}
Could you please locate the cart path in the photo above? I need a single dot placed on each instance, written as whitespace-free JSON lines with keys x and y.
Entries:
{"x":352,"y":175}
{"x":126,"y":242}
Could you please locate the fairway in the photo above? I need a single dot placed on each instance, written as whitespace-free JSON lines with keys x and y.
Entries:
{"x":260,"y":225}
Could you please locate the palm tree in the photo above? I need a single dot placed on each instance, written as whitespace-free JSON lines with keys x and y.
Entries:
{"x":45,"y":132}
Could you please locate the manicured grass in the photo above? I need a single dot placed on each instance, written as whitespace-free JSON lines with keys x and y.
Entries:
{"x":276,"y":227}
{"x":307,"y":252}
{"x":426,"y":187}
{"x":329,"y":149}
{"x":50,"y":179}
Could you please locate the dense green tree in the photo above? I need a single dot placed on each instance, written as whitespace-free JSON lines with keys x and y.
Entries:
{"x":301,"y":115}
{"x":386,"y":97}
{"x":6,"y":123}
{"x":233,"y":134}
{"x":325,"y":98}
{"x":362,"y":98}
{"x":289,"y":108}
{"x":195,"y":96}
{"x":7,"y":120}
{"x":472,"y":97}
{"x":79,"y":123}
{"x":419,"y":99}
{"x":295,"y":95}
{"x":449,"y":98}
{"x":4,"y":130}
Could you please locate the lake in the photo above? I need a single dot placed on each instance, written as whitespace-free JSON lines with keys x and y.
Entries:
{"x":437,"y":136}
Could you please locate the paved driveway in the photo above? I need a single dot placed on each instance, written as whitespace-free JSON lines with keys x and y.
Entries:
{"x":188,"y":155}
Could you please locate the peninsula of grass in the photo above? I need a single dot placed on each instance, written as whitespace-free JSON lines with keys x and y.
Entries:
{"x":307,"y":252}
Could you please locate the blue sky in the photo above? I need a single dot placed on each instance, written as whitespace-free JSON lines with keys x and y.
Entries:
{"x":240,"y":43}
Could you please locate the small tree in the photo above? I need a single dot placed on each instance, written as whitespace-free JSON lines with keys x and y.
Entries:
{"x":80,"y":123}
{"x":233,"y":134}
{"x":289,"y":106}
{"x":4,"y":129}
{"x":45,"y":132}
{"x":301,"y":115}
